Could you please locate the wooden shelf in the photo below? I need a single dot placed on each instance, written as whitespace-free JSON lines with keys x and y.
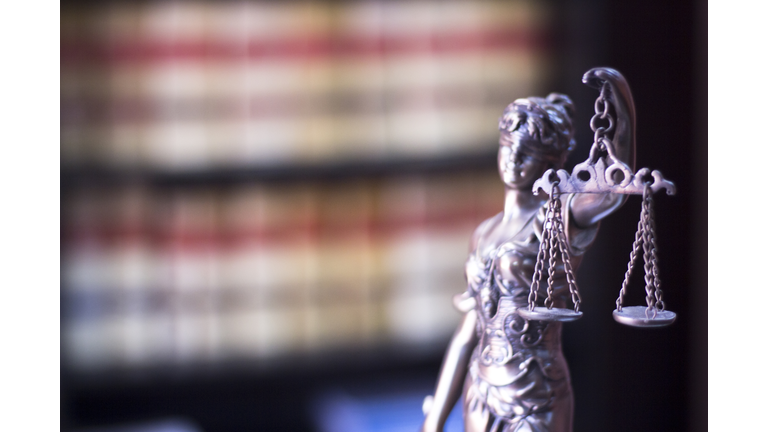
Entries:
{"x":336,"y":362}
{"x":86,"y":175}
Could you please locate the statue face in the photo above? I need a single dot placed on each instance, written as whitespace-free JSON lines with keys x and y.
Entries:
{"x":518,"y":168}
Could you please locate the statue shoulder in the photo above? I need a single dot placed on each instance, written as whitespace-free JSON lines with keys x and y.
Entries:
{"x":482,"y":229}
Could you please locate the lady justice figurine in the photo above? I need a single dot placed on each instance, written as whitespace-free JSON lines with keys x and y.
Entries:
{"x":511,"y":371}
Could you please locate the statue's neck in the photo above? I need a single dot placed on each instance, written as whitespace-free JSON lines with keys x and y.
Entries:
{"x":519,"y":203}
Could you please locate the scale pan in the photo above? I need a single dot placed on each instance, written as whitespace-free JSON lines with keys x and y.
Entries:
{"x":635,"y":316}
{"x":541,"y":313}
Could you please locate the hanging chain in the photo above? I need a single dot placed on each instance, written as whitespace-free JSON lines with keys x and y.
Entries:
{"x":645,"y":238}
{"x":572,"y":287}
{"x":533,"y":296}
{"x":602,"y":112}
{"x":553,"y":241}
{"x":654,"y":261}
{"x":557,"y":238}
{"x":648,"y":261}
{"x":632,"y":258}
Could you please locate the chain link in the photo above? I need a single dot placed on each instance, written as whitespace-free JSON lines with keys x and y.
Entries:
{"x":602,"y":112}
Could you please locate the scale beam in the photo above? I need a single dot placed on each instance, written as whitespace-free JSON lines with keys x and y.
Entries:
{"x":589,"y":177}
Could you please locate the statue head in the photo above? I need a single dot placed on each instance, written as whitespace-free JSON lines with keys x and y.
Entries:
{"x":536,"y":134}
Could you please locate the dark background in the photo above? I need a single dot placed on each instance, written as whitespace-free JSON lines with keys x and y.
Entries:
{"x":624,"y":378}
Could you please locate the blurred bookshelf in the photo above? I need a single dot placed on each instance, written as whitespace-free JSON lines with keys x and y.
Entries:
{"x":184,"y":85}
{"x":251,"y":189}
{"x":180,"y":274}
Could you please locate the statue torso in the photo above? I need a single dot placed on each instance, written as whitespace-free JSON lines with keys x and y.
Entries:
{"x":517,"y":369}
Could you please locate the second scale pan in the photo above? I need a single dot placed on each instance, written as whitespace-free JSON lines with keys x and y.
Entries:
{"x":635,"y":316}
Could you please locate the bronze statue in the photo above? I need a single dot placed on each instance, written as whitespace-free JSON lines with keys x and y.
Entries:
{"x":511,"y":371}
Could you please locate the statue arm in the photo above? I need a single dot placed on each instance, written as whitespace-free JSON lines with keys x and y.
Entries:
{"x":588,"y":209}
{"x":452,"y":373}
